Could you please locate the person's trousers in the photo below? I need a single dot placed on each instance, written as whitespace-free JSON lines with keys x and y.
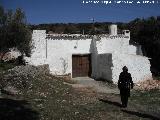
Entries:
{"x":125,"y":93}
{"x":124,"y":99}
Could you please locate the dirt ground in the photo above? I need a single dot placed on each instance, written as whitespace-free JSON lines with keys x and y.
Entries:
{"x":46,"y":97}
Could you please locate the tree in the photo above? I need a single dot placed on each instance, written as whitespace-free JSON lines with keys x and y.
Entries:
{"x":146,"y":32}
{"x":14,"y":31}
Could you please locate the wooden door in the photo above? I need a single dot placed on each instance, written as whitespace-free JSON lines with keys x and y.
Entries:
{"x":81,"y":65}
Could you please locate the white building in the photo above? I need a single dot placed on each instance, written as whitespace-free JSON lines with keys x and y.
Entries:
{"x":100,"y":57}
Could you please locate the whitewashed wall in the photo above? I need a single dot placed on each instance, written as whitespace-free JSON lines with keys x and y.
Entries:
{"x":115,"y":45}
{"x":109,"y":54}
{"x":123,"y":54}
{"x":59,"y":55}
{"x":138,"y":66}
{"x":38,"y":56}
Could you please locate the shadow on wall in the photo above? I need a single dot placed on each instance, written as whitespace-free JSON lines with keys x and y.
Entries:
{"x":94,"y":54}
{"x":139,"y":49}
{"x":101,"y":64}
{"x":16,"y":110}
{"x":105,"y":65}
{"x":64,"y":65}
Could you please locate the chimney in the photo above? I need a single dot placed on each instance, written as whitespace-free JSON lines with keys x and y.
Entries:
{"x":113,"y":29}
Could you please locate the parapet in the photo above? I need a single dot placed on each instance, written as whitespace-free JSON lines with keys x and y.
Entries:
{"x":39,"y":31}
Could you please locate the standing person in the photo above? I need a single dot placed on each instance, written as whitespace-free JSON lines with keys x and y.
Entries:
{"x":125,"y":83}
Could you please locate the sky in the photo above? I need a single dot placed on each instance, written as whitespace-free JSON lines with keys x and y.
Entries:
{"x":81,"y":11}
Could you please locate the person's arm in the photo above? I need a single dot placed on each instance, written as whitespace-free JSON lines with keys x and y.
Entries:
{"x":118,"y":84}
{"x":119,"y":81}
{"x":131,"y":82}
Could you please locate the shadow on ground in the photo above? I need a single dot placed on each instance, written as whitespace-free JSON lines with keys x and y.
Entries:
{"x":111,"y":102}
{"x":143,"y":115}
{"x":16,"y":110}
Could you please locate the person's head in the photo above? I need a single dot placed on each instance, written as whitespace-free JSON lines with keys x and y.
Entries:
{"x":125,"y":69}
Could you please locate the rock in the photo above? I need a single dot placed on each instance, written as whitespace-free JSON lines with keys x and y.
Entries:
{"x":29,"y":70}
{"x":148,"y":85}
{"x":11,"y":90}
{"x":21,"y":77}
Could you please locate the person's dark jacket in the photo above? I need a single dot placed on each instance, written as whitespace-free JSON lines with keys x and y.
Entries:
{"x":125,"y":81}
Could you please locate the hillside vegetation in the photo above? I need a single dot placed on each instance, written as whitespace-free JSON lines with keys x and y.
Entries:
{"x":14,"y":31}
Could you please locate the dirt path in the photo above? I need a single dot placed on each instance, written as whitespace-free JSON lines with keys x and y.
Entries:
{"x":109,"y":94}
{"x":98,"y":86}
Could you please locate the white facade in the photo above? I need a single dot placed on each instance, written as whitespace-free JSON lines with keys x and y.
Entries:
{"x":109,"y":53}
